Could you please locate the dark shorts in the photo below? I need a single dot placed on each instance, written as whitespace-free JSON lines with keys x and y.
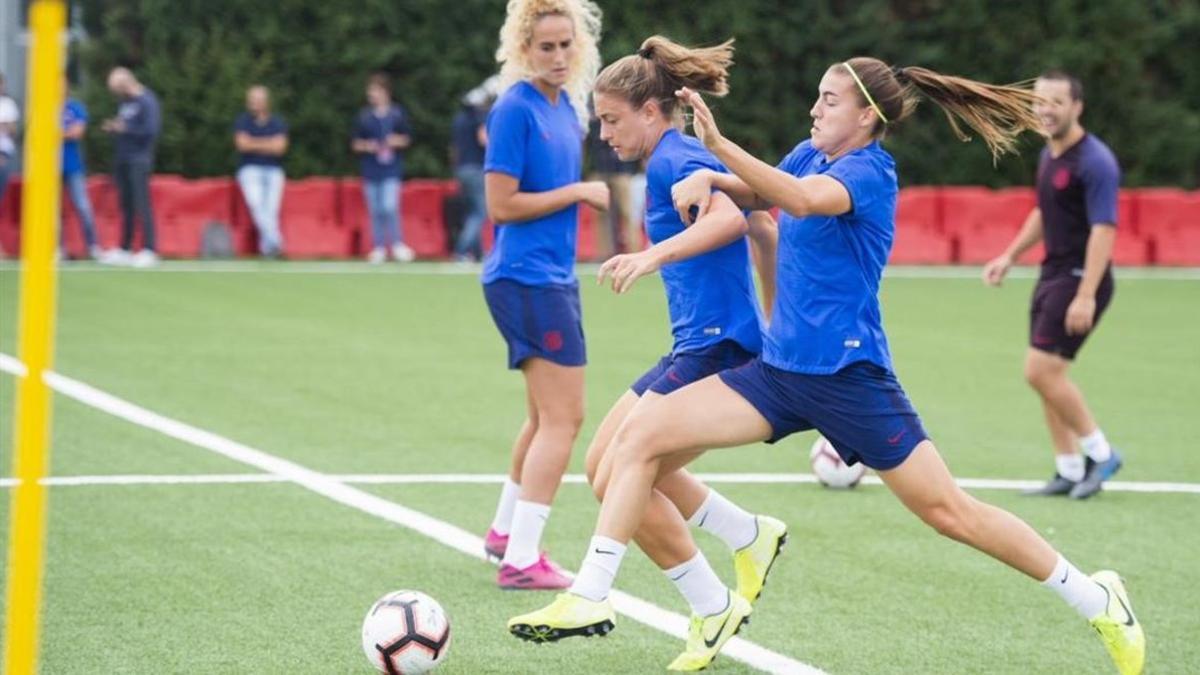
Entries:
{"x":1048,"y":313}
{"x":861,"y":409}
{"x":677,"y":370}
{"x":538,"y":321}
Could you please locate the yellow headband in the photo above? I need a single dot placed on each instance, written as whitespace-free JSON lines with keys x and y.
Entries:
{"x":866,"y":93}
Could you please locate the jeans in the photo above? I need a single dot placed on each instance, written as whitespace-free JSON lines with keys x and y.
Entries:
{"x":470,"y":182}
{"x":262,"y":187}
{"x":383,"y":206}
{"x":76,"y":185}
{"x":133,"y":190}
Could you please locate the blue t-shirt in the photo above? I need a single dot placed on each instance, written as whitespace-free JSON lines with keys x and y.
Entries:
{"x":464,"y":135}
{"x":74,"y":113}
{"x":388,"y":162}
{"x":709,"y":297}
{"x":249,"y":124}
{"x":826,"y":313}
{"x":541,"y":145}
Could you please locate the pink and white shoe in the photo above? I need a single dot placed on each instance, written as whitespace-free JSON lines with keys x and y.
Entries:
{"x":494,"y":545}
{"x":542,"y":575}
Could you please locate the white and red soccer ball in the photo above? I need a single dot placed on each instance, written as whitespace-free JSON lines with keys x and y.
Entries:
{"x":829,"y":468}
{"x":406,"y":632}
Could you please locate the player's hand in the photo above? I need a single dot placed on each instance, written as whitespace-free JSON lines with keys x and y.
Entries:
{"x":695,"y":191}
{"x":594,"y":193}
{"x":627,"y":268}
{"x":704,"y":125}
{"x":1081,"y":313}
{"x":995,"y":271}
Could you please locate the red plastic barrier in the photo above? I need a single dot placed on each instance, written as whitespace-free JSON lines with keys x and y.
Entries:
{"x":311,"y":222}
{"x":920,"y":237}
{"x":183,"y":207}
{"x":983,"y":222}
{"x":10,"y":218}
{"x":423,"y":217}
{"x":1171,"y":220}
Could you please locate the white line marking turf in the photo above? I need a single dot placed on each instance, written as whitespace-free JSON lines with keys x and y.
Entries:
{"x":454,"y":537}
{"x":575,"y":478}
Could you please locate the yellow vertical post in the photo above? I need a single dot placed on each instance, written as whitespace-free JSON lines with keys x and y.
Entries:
{"x":39,"y":235}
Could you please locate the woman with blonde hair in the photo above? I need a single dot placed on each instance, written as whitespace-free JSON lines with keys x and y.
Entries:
{"x":825,"y":362}
{"x":549,"y":58}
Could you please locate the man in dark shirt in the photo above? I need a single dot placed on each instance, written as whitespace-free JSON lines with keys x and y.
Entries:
{"x":261,"y":138}
{"x":135,"y":128}
{"x":1076,"y":217}
{"x":468,"y":136}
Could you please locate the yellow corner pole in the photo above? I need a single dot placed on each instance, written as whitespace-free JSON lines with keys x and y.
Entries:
{"x":39,"y":235}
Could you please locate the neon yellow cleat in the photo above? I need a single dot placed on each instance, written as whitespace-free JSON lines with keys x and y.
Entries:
{"x":707,"y":634}
{"x":1118,"y":627}
{"x":569,"y":615}
{"x":753,"y":563}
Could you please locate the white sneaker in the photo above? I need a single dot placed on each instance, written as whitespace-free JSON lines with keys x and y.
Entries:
{"x":144,"y":258}
{"x":115,"y":256}
{"x":377,"y":255}
{"x":96,"y":253}
{"x":403,"y":253}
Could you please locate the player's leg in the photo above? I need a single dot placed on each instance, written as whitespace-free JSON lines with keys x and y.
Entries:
{"x":1069,"y":467}
{"x":659,"y":437}
{"x":496,"y":541}
{"x":557,"y":393}
{"x":924,"y":484}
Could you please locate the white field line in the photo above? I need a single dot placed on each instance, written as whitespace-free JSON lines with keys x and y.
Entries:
{"x":584,"y":269}
{"x":577,"y":479}
{"x":444,"y":533}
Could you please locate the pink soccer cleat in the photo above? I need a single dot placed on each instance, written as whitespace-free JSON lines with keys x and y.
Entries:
{"x":494,"y":545}
{"x":542,"y":575}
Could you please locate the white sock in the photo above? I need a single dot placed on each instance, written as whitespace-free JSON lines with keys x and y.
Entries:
{"x":731,"y":523}
{"x":599,"y":569}
{"x":1070,"y":466}
{"x":699,"y":585}
{"x":502,"y":521}
{"x":1077,"y":590}
{"x":1096,"y":446}
{"x":528,"y":521}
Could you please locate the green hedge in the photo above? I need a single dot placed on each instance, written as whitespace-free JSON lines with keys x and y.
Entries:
{"x":1137,"y":60}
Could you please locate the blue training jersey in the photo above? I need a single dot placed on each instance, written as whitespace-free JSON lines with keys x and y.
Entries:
{"x":541,"y":145}
{"x":710,"y":296}
{"x":826,"y":314}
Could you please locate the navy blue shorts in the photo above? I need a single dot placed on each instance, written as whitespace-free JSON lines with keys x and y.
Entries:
{"x":538,"y":321}
{"x":861,"y":409}
{"x":1048,"y":314}
{"x":676,"y":370}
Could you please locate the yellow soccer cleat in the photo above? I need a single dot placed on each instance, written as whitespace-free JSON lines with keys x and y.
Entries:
{"x":1118,"y":627}
{"x":569,"y":615}
{"x":707,"y":634}
{"x":753,"y":562}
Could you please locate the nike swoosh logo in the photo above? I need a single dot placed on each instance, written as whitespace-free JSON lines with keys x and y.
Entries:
{"x":896,"y":439}
{"x":1128,"y":614}
{"x":680,"y":576}
{"x":1066,"y":573}
{"x":604,"y":552}
{"x":713,"y":642}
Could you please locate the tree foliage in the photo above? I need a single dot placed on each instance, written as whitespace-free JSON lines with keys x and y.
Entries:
{"x":1137,"y":61}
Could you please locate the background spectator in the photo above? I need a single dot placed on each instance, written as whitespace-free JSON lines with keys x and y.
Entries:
{"x":381,"y":134}
{"x":468,"y":141}
{"x":74,"y":125}
{"x":10,"y":114}
{"x":261,"y":138}
{"x":136,"y":128}
{"x":620,"y":228}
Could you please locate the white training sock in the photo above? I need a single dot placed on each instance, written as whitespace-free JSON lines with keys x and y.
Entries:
{"x":1070,"y":466}
{"x":1077,"y":590}
{"x":1096,"y":446}
{"x":728,"y":521}
{"x":699,"y":585}
{"x":502,"y":521}
{"x":528,"y":521}
{"x":599,"y":569}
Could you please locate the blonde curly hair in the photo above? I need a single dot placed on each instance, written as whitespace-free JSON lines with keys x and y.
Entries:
{"x":517,"y":32}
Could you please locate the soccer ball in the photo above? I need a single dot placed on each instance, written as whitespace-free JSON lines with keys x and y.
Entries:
{"x":406,"y":632}
{"x":829,"y":467}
